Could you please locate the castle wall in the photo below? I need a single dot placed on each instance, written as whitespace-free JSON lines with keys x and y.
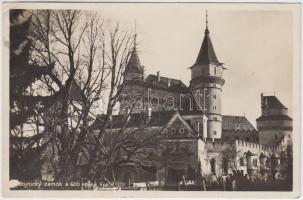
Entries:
{"x":215,"y":152}
{"x":180,"y":158}
{"x":245,"y":135}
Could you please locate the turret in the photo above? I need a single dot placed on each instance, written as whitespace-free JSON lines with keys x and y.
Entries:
{"x":134,"y":70}
{"x":207,"y":82}
{"x":274,"y":123}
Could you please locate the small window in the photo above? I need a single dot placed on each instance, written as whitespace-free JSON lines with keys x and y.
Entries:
{"x":181,"y":130}
{"x":241,"y":161}
{"x":215,"y":132}
{"x":215,"y":118}
{"x":215,"y":70}
{"x":173,"y":130}
{"x":255,"y":162}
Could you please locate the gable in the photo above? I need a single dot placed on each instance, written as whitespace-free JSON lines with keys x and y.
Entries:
{"x":177,"y":127}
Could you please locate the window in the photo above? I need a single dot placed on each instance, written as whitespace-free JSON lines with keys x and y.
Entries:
{"x":215,"y":118}
{"x":225,"y":165}
{"x":255,"y":162}
{"x":173,"y":130}
{"x":215,"y":132}
{"x":213,"y":166}
{"x":215,"y":70}
{"x":181,"y":130}
{"x":241,"y":161}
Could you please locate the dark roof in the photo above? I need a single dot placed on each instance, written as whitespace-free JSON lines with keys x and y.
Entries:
{"x":134,"y":65}
{"x":273,"y":102}
{"x":236,"y":123}
{"x":207,"y":53}
{"x":274,"y":117}
{"x":160,"y":118}
{"x":187,"y":108}
{"x":175,"y":84}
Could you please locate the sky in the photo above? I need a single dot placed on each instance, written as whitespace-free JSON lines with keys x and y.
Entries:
{"x":255,"y":45}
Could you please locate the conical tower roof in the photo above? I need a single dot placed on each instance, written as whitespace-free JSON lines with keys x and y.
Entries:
{"x":207,"y":53}
{"x":134,"y":65}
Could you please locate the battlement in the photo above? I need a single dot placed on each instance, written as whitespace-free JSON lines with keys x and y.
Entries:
{"x":242,"y":143}
{"x":277,"y":148}
{"x":217,"y":141}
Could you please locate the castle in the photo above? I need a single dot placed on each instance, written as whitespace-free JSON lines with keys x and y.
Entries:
{"x":178,"y":132}
{"x":195,"y":137}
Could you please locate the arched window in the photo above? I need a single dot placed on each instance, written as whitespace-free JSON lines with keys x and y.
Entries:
{"x":213,"y":166}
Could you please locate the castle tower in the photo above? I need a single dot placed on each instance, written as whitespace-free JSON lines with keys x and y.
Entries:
{"x":207,"y":81}
{"x":134,"y":70}
{"x":133,"y":79}
{"x":274,"y":123}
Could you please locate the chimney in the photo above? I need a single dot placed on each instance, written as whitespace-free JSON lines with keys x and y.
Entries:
{"x":158,"y":76}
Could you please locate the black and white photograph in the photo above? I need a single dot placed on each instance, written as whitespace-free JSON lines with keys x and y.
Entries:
{"x":152,"y":97}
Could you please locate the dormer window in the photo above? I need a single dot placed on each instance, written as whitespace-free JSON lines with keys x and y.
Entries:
{"x":181,"y":130}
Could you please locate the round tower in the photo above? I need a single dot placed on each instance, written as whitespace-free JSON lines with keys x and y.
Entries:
{"x":207,"y":82}
{"x":274,"y":124}
{"x":132,"y":85}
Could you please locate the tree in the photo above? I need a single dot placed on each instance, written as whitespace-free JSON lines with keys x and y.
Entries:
{"x":23,"y":104}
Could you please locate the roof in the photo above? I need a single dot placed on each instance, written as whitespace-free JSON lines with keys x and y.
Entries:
{"x":75,"y":92}
{"x":230,"y":122}
{"x":274,"y":117}
{"x":188,"y":109}
{"x":167,"y":83}
{"x":159,"y":118}
{"x":273,"y":102}
{"x":207,"y":53}
{"x":134,"y":65}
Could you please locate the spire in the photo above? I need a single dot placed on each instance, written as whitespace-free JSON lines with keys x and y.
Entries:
{"x":207,"y":53}
{"x":206,"y":22}
{"x":134,"y":65}
{"x":135,"y":39}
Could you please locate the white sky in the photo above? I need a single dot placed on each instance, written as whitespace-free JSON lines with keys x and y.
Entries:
{"x":256,"y":47}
